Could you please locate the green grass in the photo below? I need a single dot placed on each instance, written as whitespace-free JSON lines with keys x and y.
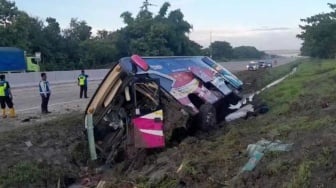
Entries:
{"x":303,"y":175}
{"x":296,"y":108}
{"x":308,"y":89}
{"x":30,"y":173}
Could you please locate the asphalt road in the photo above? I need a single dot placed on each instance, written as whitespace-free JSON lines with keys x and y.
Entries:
{"x":237,"y":66}
{"x":65,"y":98}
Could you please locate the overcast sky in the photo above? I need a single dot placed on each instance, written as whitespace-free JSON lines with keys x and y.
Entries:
{"x":266,"y":24}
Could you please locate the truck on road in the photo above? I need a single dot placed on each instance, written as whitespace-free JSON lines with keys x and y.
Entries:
{"x":14,"y":60}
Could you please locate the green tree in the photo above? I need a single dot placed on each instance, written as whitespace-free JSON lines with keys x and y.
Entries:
{"x":97,"y":53}
{"x":54,"y":53}
{"x":8,"y":11}
{"x":161,"y":34}
{"x":77,"y":33}
{"x":78,"y":30}
{"x":247,"y":52}
{"x":221,"y":50}
{"x":319,"y":34}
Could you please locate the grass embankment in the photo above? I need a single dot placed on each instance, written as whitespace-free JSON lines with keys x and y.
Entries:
{"x":56,"y":152}
{"x":302,"y":111}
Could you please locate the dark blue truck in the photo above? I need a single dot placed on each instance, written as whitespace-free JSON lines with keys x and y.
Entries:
{"x":13,"y":60}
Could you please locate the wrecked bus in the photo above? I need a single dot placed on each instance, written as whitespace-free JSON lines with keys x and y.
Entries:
{"x":143,"y":100}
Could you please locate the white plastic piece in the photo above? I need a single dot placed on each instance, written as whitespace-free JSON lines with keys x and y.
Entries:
{"x":242,"y":112}
{"x":137,"y":111}
{"x":127,"y":94}
{"x":236,"y":106}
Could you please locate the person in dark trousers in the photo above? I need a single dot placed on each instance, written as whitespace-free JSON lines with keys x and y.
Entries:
{"x":6,"y":98}
{"x":83,"y":84}
{"x":45,"y":93}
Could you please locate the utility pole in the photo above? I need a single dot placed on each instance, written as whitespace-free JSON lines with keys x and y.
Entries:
{"x":210,"y":46}
{"x":145,"y":5}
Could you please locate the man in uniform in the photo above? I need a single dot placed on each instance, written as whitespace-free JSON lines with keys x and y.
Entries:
{"x":82,"y":83}
{"x":6,"y":97}
{"x":45,"y":93}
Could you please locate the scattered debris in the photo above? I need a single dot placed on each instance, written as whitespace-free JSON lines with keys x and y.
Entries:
{"x":257,"y":151}
{"x":180,"y":167}
{"x":262,"y":109}
{"x":25,"y":120}
{"x":251,"y":97}
{"x":28,"y":144}
{"x":324,"y":104}
{"x":101,"y":184}
{"x":242,"y":112}
{"x":28,"y":119}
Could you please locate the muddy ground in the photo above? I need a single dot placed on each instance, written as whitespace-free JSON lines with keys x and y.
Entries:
{"x":55,"y":152}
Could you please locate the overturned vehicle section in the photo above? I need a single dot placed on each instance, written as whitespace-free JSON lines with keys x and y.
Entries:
{"x":142,"y":101}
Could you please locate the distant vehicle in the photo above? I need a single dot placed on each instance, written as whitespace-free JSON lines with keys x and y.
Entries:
{"x":268,"y":64}
{"x":14,"y":60}
{"x":143,"y":100}
{"x":253,"y":66}
{"x":265,"y":64}
{"x":262,"y":64}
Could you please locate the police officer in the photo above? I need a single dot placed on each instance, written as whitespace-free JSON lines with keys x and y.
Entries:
{"x":45,"y":93}
{"x":6,"y":98}
{"x":82,"y":83}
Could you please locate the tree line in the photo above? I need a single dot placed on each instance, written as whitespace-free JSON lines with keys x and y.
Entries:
{"x":223,"y":51}
{"x":319,"y":34}
{"x":75,"y":47}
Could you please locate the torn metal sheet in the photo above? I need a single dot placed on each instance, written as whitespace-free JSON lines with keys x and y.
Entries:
{"x":249,"y":98}
{"x":28,"y":144}
{"x":242,"y":112}
{"x":256,"y":151}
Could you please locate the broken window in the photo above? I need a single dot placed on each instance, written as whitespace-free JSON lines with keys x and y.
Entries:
{"x":146,"y":96}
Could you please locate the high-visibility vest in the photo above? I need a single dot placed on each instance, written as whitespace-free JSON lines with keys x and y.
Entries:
{"x":82,"y":79}
{"x":44,"y":87}
{"x":3,"y":87}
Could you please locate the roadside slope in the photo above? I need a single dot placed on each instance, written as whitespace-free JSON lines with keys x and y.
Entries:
{"x":302,"y":111}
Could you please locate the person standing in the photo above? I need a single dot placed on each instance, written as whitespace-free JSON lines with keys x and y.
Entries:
{"x":82,"y":83}
{"x":6,"y":97}
{"x":45,"y":93}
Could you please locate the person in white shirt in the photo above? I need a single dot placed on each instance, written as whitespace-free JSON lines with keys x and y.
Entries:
{"x":45,"y":93}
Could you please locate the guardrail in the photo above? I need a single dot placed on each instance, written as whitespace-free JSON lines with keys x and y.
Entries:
{"x":29,"y":79}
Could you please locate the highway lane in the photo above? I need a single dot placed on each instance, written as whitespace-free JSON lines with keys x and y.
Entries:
{"x":65,"y":97}
{"x":236,"y":66}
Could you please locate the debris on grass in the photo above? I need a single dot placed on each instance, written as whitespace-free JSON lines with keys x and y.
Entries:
{"x":255,"y":157}
{"x":28,"y":144}
{"x":256,"y":151}
{"x":242,"y":112}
